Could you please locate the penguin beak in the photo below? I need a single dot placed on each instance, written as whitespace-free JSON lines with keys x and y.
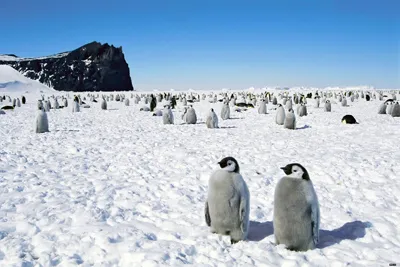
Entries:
{"x":286,"y":170}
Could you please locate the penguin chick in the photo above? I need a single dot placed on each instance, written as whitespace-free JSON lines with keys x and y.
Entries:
{"x":212,"y":119}
{"x":227,"y":207}
{"x":296,"y":210}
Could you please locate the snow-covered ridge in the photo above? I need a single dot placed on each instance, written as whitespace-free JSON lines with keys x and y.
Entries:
{"x":12,"y":58}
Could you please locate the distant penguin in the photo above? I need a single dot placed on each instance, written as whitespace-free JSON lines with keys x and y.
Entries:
{"x":382,"y":109}
{"x":75,"y":106}
{"x":262,"y":109}
{"x":289,"y":104}
{"x":65,"y":103}
{"x":280,"y":115}
{"x":344,"y":102}
{"x":158,"y":113}
{"x":191,"y":117}
{"x":153,"y":103}
{"x":127,"y":102}
{"x":389,"y":107}
{"x":396,"y":110}
{"x":290,"y":120}
{"x":23,"y":100}
{"x":212,"y":120}
{"x":104,"y":104}
{"x":296,"y":210}
{"x":173,"y":102}
{"x":284,"y":100}
{"x":183,"y":117}
{"x":18,"y":103}
{"x":352,"y":98}
{"x":317,"y":102}
{"x":56,"y":105}
{"x":274,"y":101}
{"x":302,"y":110}
{"x":42,"y":124}
{"x":168,"y":116}
{"x":225,"y":111}
{"x":227,"y":208}
{"x":40,"y":104}
{"x":184,"y":101}
{"x":14,"y":102}
{"x":47,"y":106}
{"x":349,"y":119}
{"x":328,"y":106}
{"x":367,"y":97}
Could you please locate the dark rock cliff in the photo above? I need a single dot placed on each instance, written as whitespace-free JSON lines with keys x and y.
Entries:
{"x":92,"y":67}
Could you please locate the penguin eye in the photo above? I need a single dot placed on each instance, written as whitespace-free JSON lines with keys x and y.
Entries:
{"x":295,"y":171}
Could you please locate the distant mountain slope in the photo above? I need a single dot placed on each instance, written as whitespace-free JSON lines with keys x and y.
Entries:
{"x":11,"y":81}
{"x":92,"y":67}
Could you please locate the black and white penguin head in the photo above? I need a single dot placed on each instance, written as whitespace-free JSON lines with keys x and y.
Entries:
{"x":296,"y":170}
{"x":229,"y":164}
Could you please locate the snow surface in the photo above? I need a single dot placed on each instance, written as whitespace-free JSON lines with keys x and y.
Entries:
{"x":13,"y":81}
{"x":119,"y":188}
{"x":12,"y":58}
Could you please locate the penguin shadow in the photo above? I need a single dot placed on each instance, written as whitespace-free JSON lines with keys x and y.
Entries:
{"x":227,"y":127}
{"x":236,"y":119}
{"x":349,"y":231}
{"x":304,"y":127}
{"x":260,"y":230}
{"x":65,"y":131}
{"x":111,"y":109}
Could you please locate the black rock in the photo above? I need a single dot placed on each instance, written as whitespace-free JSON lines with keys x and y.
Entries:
{"x":92,"y":67}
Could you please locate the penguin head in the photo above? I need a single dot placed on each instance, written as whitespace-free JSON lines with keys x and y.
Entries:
{"x":229,"y":164}
{"x":296,"y":170}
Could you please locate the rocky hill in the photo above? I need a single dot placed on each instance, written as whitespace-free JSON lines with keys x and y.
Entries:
{"x":92,"y":67}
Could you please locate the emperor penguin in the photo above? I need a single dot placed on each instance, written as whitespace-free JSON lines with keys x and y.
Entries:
{"x":191,"y":117}
{"x":274,"y":101}
{"x":23,"y":100}
{"x":344,"y":102}
{"x":302,"y":110}
{"x":75,"y":106}
{"x":382,"y":109}
{"x":225,"y":111}
{"x":227,"y":208}
{"x":328,"y":106}
{"x":153,"y":103}
{"x":317,"y":102}
{"x":396,"y":110}
{"x":168,"y":117}
{"x":127,"y":102}
{"x":104,"y":104}
{"x":262,"y":109}
{"x":40,"y":104}
{"x":65,"y":102}
{"x":18,"y":103}
{"x":290,"y":120}
{"x":42,"y":123}
{"x":212,"y":120}
{"x":289,"y":104}
{"x":280,"y":115}
{"x":389,"y":108}
{"x":349,"y":119}
{"x":296,"y":210}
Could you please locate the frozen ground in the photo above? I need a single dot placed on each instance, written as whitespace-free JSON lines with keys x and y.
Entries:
{"x":118,"y":188}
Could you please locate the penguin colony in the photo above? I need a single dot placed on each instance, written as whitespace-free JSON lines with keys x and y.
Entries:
{"x":296,"y":214}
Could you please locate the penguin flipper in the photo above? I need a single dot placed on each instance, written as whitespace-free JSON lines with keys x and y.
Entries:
{"x":244,"y":209}
{"x":315,"y":222}
{"x":207,"y":214}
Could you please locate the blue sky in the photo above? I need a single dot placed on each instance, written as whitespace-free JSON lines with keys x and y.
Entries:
{"x":220,"y":44}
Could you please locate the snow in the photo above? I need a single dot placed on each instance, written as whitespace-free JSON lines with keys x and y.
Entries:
{"x":12,"y":58}
{"x":13,"y":81}
{"x":119,"y":188}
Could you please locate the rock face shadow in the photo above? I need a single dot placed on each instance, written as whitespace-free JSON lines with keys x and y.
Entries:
{"x":260,"y":230}
{"x":349,"y":231}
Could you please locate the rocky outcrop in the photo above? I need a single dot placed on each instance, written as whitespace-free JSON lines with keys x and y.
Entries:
{"x":92,"y":67}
